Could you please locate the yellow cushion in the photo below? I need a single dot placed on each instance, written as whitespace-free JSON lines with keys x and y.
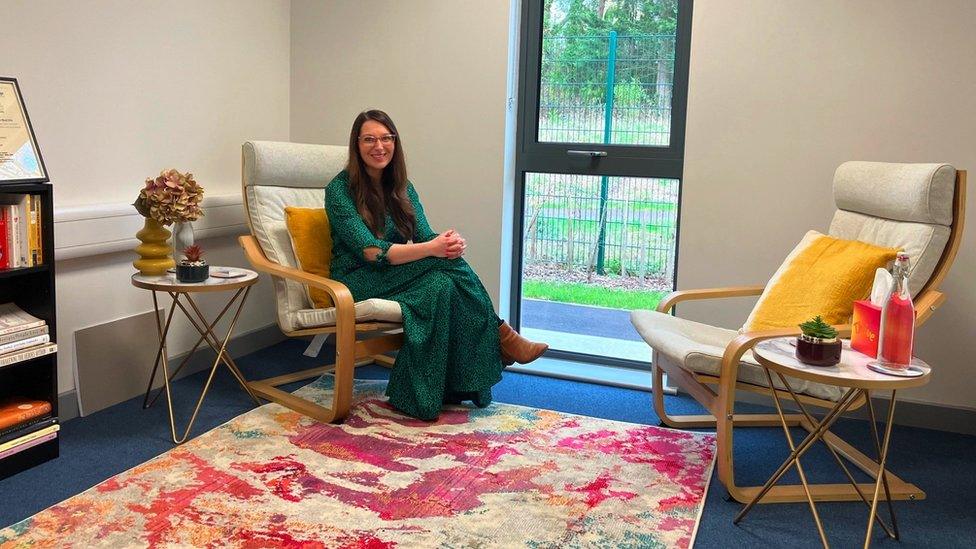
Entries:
{"x":821,"y":276}
{"x":312,"y":241}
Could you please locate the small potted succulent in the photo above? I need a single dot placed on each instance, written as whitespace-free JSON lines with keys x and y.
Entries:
{"x":818,"y":344}
{"x":192,"y":268}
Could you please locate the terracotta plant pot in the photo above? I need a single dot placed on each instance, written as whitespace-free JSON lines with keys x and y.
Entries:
{"x":192,"y":273}
{"x":818,"y":352}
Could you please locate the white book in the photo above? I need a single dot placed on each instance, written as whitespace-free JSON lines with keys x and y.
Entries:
{"x":24,"y":334}
{"x":15,"y":319}
{"x":28,"y":354}
{"x":23,"y":343}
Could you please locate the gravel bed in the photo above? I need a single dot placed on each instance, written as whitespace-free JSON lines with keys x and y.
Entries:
{"x":551,"y":272}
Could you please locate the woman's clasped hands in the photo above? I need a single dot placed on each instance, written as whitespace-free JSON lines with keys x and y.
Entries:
{"x":449,"y":244}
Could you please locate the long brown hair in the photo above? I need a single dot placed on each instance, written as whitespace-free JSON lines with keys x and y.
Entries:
{"x":372,"y":202}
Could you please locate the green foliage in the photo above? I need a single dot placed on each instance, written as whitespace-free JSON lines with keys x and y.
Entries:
{"x":818,"y":328}
{"x":630,"y":94}
{"x":585,"y":294}
{"x":576,"y":49}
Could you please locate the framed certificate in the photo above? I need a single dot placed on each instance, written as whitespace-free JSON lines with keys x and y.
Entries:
{"x":20,"y":158}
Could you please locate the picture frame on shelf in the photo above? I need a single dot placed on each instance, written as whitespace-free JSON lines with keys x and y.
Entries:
{"x":20,"y":157}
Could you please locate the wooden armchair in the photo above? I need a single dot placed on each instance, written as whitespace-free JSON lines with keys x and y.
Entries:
{"x":276,"y":175}
{"x":915,"y":207}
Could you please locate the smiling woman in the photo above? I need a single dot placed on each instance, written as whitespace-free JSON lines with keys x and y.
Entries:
{"x":455,"y":346}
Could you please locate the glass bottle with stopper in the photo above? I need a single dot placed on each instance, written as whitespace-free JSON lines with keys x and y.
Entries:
{"x":897,"y":330}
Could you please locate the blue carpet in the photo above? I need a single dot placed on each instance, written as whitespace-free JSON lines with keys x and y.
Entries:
{"x":103,"y":444}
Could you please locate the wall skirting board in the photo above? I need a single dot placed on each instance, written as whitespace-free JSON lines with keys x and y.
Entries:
{"x":96,"y":229}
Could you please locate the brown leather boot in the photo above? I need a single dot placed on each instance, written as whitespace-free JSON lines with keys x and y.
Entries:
{"x":516,"y":348}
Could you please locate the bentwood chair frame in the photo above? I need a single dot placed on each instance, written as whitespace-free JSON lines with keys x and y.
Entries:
{"x":351,"y":350}
{"x":720,"y":401}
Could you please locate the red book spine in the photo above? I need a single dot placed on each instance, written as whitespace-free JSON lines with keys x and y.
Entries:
{"x":4,"y":250}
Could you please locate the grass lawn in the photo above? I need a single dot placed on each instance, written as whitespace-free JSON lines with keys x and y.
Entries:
{"x":582,"y":294}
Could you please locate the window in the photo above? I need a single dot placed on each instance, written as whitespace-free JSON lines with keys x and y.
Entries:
{"x":599,"y":157}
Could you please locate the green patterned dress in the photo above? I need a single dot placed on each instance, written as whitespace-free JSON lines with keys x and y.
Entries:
{"x":450,"y":351}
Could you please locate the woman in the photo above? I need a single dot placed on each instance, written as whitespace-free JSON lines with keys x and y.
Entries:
{"x":454,"y":344}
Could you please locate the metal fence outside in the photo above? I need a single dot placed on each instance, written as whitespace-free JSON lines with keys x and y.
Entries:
{"x":563,"y":216}
{"x":613,"y":90}
{"x":607,"y":89}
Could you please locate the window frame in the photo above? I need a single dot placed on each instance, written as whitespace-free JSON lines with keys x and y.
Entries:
{"x":532,"y":156}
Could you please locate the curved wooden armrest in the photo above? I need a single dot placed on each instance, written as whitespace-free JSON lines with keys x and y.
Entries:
{"x":340,"y":294}
{"x":926,"y":304}
{"x":674,"y":298}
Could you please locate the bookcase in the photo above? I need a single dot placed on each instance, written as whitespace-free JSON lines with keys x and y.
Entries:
{"x":32,"y":290}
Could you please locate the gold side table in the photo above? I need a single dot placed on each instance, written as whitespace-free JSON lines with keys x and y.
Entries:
{"x":852,"y":373}
{"x":181,"y":292}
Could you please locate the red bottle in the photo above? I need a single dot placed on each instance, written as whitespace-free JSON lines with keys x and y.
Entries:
{"x":898,"y":320}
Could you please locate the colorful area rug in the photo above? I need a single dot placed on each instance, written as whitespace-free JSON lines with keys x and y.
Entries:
{"x":504,"y":476}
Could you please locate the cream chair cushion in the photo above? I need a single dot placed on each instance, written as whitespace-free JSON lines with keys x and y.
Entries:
{"x":276,"y":175}
{"x":904,"y":206}
{"x":699,"y":347}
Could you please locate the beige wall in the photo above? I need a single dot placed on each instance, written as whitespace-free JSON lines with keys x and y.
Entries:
{"x":780,"y":94}
{"x":439,"y":70}
{"x":118,"y":91}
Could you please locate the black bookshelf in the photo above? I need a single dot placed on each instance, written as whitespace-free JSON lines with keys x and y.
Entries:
{"x":32,"y":289}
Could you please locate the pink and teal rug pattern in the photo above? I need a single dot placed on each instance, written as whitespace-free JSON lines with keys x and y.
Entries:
{"x":504,"y":476}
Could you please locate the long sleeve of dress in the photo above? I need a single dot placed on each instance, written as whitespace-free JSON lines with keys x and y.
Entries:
{"x":423,"y":232}
{"x":348,"y":228}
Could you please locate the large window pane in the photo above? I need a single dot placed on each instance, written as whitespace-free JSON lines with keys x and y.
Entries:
{"x":593,"y":249}
{"x":607,"y":71}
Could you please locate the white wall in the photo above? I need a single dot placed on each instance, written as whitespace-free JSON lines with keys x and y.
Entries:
{"x":439,"y":70}
{"x":781,"y":92}
{"x":118,"y":91}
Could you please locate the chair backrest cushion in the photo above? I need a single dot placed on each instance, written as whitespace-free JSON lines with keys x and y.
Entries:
{"x":903,"y":206}
{"x":276,"y":175}
{"x":311,"y":240}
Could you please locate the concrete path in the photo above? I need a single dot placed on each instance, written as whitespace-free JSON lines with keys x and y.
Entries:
{"x":578,"y":319}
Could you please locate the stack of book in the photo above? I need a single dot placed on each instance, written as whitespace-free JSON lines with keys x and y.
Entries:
{"x":25,"y":422}
{"x":23,"y":336}
{"x":20,"y":231}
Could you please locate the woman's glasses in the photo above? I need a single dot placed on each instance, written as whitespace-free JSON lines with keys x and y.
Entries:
{"x":371,"y":140}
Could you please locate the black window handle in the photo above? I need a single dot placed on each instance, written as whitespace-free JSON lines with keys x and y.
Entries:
{"x":591,"y":154}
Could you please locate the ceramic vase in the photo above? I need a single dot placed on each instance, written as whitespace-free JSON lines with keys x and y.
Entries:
{"x":154,"y":256}
{"x":182,"y":238}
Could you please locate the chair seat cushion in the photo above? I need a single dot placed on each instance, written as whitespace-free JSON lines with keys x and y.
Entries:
{"x":381,"y":310}
{"x":698,"y":348}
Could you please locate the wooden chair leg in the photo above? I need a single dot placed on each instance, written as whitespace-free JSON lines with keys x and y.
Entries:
{"x":676,"y":422}
{"x":343,"y":369}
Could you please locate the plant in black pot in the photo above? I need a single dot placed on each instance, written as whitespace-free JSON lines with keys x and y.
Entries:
{"x":818,"y":344}
{"x":192,"y":268}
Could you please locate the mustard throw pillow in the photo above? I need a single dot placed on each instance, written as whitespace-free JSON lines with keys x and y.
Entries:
{"x":311,"y":239}
{"x":821,"y":276}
